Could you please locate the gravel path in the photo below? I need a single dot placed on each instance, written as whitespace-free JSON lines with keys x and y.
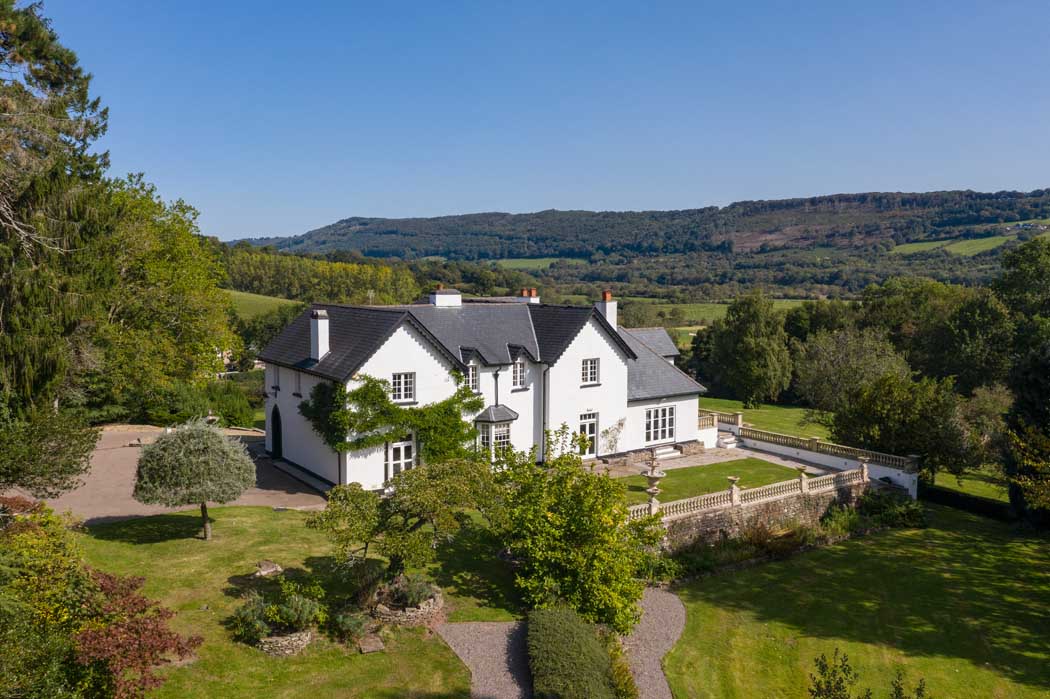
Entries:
{"x":663,"y":620}
{"x":496,"y":655}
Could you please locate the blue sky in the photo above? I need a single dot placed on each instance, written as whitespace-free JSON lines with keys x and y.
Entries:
{"x":275,"y":118}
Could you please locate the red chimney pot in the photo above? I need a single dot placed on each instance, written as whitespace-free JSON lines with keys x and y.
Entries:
{"x":606,"y":295}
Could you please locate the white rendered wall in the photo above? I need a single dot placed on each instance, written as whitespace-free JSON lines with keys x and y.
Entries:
{"x":709,"y":437}
{"x":524,"y":432}
{"x":685,"y":422}
{"x":405,"y":351}
{"x":569,"y":399}
{"x":300,"y":444}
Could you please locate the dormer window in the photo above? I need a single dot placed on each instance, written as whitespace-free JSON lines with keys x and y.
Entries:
{"x":472,"y":378}
{"x":589,"y":372}
{"x":403,"y":387}
{"x":518,"y":374}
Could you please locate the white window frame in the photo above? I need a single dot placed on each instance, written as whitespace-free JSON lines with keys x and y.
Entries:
{"x":518,"y":374}
{"x":299,"y":383}
{"x":405,"y":459}
{"x":403,"y":387}
{"x":473,"y":378}
{"x":590,"y":372}
{"x":494,"y":437}
{"x":589,"y":420}
{"x":660,"y":424}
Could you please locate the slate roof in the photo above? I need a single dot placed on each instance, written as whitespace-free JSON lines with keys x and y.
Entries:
{"x":354,"y":334}
{"x":652,"y":376}
{"x":657,"y":339}
{"x":496,"y":413}
{"x":496,"y":333}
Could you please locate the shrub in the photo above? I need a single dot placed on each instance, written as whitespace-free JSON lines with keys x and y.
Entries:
{"x":620,"y":671}
{"x":249,"y":623}
{"x":363,"y":580}
{"x":566,"y":657}
{"x":886,"y":509}
{"x":839,"y":522}
{"x":229,"y":401}
{"x":349,"y":625}
{"x":410,"y":590}
{"x":295,"y":608}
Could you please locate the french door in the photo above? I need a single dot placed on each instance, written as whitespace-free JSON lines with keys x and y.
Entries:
{"x":402,"y":457}
{"x":589,"y":432}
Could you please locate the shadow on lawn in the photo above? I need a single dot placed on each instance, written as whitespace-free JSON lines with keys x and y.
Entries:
{"x":470,"y":563}
{"x":151,"y":529}
{"x":964,"y":588}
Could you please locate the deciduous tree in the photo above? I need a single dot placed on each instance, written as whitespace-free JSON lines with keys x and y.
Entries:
{"x":195,"y":464}
{"x":749,"y":354}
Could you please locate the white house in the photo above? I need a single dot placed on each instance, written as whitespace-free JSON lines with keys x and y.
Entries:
{"x":538,"y":367}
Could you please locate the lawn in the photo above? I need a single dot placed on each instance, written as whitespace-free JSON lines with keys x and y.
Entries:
{"x":201,"y":581}
{"x":975,"y":246}
{"x":962,"y":604}
{"x":535,"y":263}
{"x":682,"y":483}
{"x":248,"y":305}
{"x":772,"y":418}
{"x":922,"y":246}
{"x":980,"y":483}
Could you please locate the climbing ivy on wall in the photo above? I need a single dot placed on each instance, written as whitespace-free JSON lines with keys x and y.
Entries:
{"x":368,"y":415}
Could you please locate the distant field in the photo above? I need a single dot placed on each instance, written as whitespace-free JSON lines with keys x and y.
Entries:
{"x":532,"y":263}
{"x":975,"y":246}
{"x":704,"y":313}
{"x":926,"y":246}
{"x":248,"y":305}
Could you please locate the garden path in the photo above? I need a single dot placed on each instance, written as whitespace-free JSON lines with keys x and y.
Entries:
{"x":496,"y":655}
{"x":663,"y":620}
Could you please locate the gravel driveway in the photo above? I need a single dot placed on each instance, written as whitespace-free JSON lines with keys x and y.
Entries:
{"x":106,"y":491}
{"x":496,"y":655}
{"x":663,"y":620}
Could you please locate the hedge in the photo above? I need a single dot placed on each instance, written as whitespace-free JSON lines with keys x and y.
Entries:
{"x":567,"y":659}
{"x":986,"y":507}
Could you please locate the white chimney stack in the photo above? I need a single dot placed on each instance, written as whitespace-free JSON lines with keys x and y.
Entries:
{"x":318,"y":334}
{"x":445,"y":298}
{"x":607,"y":307}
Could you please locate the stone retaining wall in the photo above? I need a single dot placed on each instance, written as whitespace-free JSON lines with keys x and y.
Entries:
{"x":422,"y":615}
{"x":712,"y":524}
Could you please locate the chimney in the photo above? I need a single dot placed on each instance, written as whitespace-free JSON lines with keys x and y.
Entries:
{"x":524,"y":292}
{"x":607,"y":307}
{"x":533,"y":295}
{"x":318,"y":334}
{"x":446,"y":298}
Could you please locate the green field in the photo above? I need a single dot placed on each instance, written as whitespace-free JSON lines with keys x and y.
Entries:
{"x":200,"y":581}
{"x":682,"y":483}
{"x":924,"y":246}
{"x":772,"y":418}
{"x":248,"y":305}
{"x":962,"y":604}
{"x":983,"y":484}
{"x":534,"y":263}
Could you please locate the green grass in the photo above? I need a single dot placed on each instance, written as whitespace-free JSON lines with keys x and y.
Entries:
{"x":682,"y":483}
{"x":201,"y":581}
{"x":772,"y":418}
{"x":248,"y":305}
{"x":983,"y":484}
{"x":924,"y":246}
{"x":962,"y":604}
{"x":975,"y":246}
{"x":535,"y":263}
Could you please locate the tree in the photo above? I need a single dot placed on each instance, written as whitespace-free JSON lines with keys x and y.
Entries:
{"x":1029,"y":425}
{"x":898,"y":415}
{"x":973,"y":344}
{"x":1025,"y":280}
{"x":257,"y":332}
{"x":811,"y":317}
{"x":45,"y":453}
{"x":424,"y":507}
{"x":569,"y":528}
{"x":193,"y":465}
{"x":749,"y":354}
{"x":832,"y":367}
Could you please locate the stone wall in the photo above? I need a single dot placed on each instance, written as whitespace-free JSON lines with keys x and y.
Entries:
{"x":641,"y":457}
{"x":422,"y":615}
{"x":712,"y":524}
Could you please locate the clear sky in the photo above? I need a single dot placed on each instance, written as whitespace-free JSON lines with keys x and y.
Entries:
{"x":276,"y":118}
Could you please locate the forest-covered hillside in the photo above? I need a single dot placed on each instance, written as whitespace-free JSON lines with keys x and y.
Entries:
{"x":837,"y":221}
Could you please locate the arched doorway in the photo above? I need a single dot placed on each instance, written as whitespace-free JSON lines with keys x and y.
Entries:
{"x":276,"y":448}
